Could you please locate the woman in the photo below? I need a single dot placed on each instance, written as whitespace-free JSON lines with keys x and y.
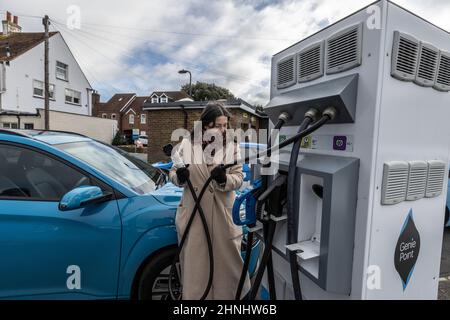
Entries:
{"x":204,"y":155}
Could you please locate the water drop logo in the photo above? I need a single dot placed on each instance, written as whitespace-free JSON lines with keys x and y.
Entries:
{"x":407,"y":250}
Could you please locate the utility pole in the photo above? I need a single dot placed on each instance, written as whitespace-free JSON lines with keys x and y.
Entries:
{"x":46,"y":23}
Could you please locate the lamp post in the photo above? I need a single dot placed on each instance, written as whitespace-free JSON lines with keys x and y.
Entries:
{"x":183,"y":71}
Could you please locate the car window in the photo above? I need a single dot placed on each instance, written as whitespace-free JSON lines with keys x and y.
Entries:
{"x":115,"y":163}
{"x":26,"y":173}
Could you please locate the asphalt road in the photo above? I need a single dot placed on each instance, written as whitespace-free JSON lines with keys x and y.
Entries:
{"x":444,"y":283}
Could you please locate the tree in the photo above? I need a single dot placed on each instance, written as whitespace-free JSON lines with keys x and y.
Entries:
{"x":259,"y":108}
{"x":118,"y":139}
{"x":208,"y":91}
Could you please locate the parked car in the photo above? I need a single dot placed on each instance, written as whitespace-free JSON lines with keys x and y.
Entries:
{"x":143,"y":139}
{"x":80,"y":219}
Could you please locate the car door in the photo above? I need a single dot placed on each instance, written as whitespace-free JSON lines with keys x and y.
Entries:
{"x":45,"y":252}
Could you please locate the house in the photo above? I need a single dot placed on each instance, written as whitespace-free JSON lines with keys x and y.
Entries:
{"x":127,"y":108}
{"x":164,"y":118}
{"x":22,"y":77}
{"x":113,"y":107}
{"x":169,"y":96}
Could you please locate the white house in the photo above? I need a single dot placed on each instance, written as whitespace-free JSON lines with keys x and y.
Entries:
{"x":22,"y":75}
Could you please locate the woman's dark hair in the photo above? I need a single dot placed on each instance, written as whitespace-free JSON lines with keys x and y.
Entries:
{"x":211,"y":112}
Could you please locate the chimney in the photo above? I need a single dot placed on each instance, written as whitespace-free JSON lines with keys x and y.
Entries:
{"x":11,"y":24}
{"x":95,"y":103}
{"x":95,"y":98}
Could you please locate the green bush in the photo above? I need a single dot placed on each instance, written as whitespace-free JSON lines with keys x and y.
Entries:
{"x":119,"y":139}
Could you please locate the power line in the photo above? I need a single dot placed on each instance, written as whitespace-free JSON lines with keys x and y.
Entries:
{"x":180,"y":33}
{"x":104,"y":56}
{"x":196,"y":34}
{"x":199,"y":68}
{"x":155,"y":42}
{"x":20,"y":15}
{"x":96,"y":37}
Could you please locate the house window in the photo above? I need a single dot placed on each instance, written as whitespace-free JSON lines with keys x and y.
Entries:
{"x":164,"y":99}
{"x":38,"y":89}
{"x":113,"y":116}
{"x":29,"y":126}
{"x":131,"y":119}
{"x":143,"y":119}
{"x":104,"y":115}
{"x":10,"y":125}
{"x":73,"y":96}
{"x":62,"y":71}
{"x":154,"y":99}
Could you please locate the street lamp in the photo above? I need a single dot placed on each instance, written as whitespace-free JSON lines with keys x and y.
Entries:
{"x":183,"y":71}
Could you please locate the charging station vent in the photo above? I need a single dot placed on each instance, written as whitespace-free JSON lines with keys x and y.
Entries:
{"x":310,"y":63}
{"x":435,"y":181}
{"x":395,"y":181}
{"x":417,"y":180}
{"x":428,"y":62}
{"x":443,"y":74}
{"x":344,"y":50}
{"x":405,"y":54}
{"x":286,"y":76}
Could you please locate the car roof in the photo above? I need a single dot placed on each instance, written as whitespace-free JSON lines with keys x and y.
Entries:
{"x":51,"y":137}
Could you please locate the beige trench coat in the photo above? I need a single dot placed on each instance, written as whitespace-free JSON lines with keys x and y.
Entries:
{"x":226,"y":237}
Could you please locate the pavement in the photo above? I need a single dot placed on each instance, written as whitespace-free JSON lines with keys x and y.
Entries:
{"x":444,"y":281}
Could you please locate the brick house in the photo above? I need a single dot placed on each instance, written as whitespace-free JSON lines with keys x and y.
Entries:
{"x":127,"y":108}
{"x":134,"y":118}
{"x":163,"y":118}
{"x":112,"y":108}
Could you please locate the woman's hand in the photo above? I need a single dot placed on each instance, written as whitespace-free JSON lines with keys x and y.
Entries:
{"x":219,"y":174}
{"x":182,"y":175}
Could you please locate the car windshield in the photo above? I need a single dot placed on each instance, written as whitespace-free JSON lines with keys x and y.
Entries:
{"x":115,"y":163}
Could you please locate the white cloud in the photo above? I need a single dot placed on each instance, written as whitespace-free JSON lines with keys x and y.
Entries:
{"x":138,"y":46}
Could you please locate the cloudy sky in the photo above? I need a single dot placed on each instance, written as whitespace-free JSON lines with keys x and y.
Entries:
{"x":139,"y":45}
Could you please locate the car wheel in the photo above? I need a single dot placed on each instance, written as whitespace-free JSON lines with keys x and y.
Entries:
{"x":154,"y":281}
{"x":446,"y":216}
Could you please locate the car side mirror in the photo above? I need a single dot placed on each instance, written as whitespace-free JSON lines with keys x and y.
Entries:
{"x":81,"y":197}
{"x":167,"y":149}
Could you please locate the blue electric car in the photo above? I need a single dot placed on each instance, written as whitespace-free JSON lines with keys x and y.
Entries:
{"x":80,"y":219}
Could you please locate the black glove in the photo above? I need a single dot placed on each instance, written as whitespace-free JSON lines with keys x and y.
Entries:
{"x":219,"y":174}
{"x":182,"y":175}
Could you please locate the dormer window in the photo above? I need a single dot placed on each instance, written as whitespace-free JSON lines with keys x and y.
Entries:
{"x":154,"y":99}
{"x":164,"y":99}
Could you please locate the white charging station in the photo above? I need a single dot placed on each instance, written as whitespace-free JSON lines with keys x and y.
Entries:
{"x":377,"y":230}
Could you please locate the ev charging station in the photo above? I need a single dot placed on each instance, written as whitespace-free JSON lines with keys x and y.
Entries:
{"x":371,"y":183}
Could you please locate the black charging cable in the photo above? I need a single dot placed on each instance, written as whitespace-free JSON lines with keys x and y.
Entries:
{"x":284,"y":117}
{"x":266,"y":257}
{"x":183,"y":239}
